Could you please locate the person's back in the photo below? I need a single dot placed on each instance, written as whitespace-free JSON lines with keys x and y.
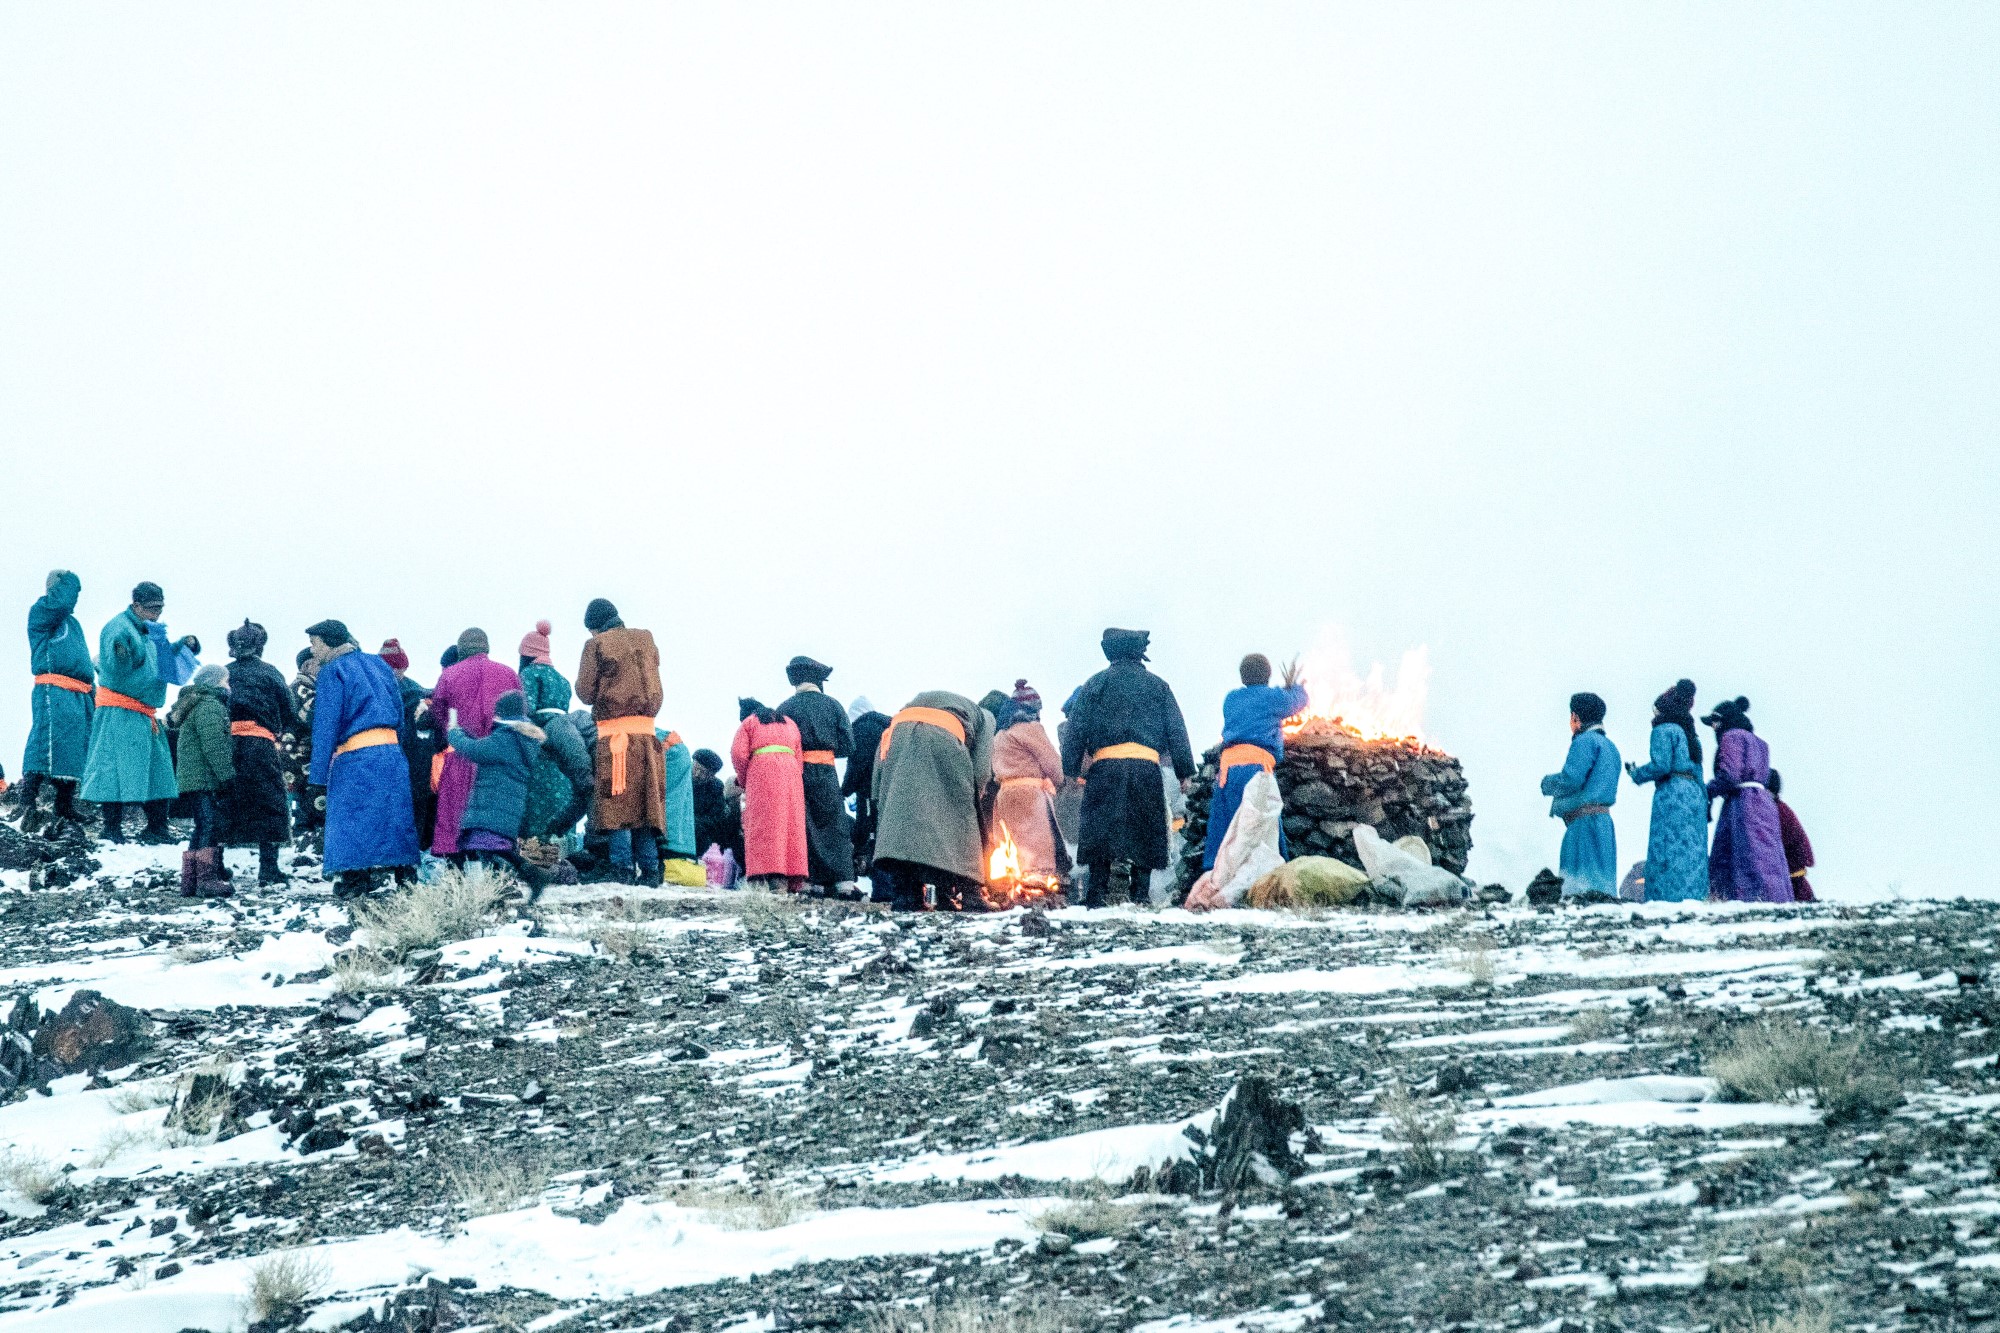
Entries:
{"x":503,"y":761}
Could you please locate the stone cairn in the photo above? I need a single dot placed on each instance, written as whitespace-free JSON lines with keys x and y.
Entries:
{"x":1332,"y":780}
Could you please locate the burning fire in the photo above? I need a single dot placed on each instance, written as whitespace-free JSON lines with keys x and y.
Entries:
{"x":1006,"y":884}
{"x":1365,"y":707}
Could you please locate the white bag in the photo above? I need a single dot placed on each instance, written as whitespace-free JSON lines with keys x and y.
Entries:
{"x":1411,"y":881}
{"x":1249,"y":850}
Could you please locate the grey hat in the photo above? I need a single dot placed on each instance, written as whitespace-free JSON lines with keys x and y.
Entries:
{"x":148,"y":594}
{"x":55,"y":576}
{"x":472,"y":641}
{"x":214,"y":676}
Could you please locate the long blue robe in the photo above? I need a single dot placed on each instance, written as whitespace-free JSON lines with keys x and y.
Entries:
{"x":129,"y":759}
{"x":369,"y":820}
{"x":680,"y":799}
{"x":1589,"y":776}
{"x":1251,"y":715}
{"x":1677,"y":838}
{"x":59,"y":739}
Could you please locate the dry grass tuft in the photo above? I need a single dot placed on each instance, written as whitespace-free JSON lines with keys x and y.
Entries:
{"x":770,"y":913}
{"x":1475,"y":959}
{"x":1780,"y":1060}
{"x":30,"y":1175}
{"x":363,"y":972}
{"x":626,"y":943}
{"x":738,"y":1207}
{"x":1595,"y":1025}
{"x":150,"y":1095}
{"x":1090,"y":1219}
{"x":1035,"y":1316}
{"x":1813,"y":1317}
{"x":457,"y":905}
{"x":485,"y":1184}
{"x":1425,"y":1131}
{"x":115,"y":1142}
{"x":281,"y":1285}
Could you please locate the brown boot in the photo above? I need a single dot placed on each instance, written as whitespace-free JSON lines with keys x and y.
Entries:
{"x":190,"y":873}
{"x":209,"y":882}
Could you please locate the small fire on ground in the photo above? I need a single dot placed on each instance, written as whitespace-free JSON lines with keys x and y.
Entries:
{"x":1007,"y":885}
{"x":1364,"y":707}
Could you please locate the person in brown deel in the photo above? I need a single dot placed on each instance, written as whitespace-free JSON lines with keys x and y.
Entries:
{"x":1029,"y":770}
{"x":619,"y":677}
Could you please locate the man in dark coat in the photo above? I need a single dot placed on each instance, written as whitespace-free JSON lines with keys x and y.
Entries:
{"x":59,"y":657}
{"x":868,"y":724}
{"x":824,"y":737}
{"x":418,"y":740}
{"x":254,"y":811}
{"x":1120,"y":725}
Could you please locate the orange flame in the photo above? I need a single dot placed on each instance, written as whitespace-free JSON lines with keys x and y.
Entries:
{"x":1366,"y":707}
{"x":1007,"y":885}
{"x":1004,"y":866}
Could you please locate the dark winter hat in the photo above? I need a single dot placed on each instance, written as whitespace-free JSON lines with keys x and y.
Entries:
{"x":1025,"y":695}
{"x":600,"y":615}
{"x":392,"y":653}
{"x":1773,"y":783}
{"x":148,"y":594}
{"x":331,"y":633}
{"x":472,"y":642}
{"x":709,"y":760}
{"x":305,"y":656}
{"x":1731,"y":715}
{"x":535,"y":646}
{"x":803,"y":669}
{"x":55,"y":576}
{"x":449,"y":657}
{"x":510,"y":707}
{"x":247,"y":640}
{"x":1254,"y":669}
{"x":1127,"y":645}
{"x":1589,"y":709}
{"x":1679,"y":699}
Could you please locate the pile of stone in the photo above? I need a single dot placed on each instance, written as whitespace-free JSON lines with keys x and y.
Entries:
{"x":1333,"y":780}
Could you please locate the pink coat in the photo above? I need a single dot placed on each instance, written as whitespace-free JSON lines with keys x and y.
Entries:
{"x":1029,"y":770}
{"x":472,"y":686}
{"x":774,"y":797}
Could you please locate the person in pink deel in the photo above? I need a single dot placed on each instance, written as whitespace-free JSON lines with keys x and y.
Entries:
{"x":470,"y":687}
{"x":765,"y":754}
{"x":1028,"y":770}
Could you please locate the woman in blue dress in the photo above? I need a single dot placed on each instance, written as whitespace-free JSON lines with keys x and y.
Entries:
{"x":1677,"y":842}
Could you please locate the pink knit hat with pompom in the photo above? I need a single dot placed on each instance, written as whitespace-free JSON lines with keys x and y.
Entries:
{"x":535,"y":646}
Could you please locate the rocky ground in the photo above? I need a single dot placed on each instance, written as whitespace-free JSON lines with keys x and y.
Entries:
{"x":679,"y":1110}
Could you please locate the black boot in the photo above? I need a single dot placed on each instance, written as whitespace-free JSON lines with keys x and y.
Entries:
{"x":114,"y":821}
{"x":31,"y":814}
{"x":65,"y":789}
{"x":1118,"y":891}
{"x":157,"y":832}
{"x":267,"y":864}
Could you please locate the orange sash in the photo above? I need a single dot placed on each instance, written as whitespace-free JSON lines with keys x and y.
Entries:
{"x":936,"y":717}
{"x":63,"y":682}
{"x":437,"y":767}
{"x":252,"y":729}
{"x":1127,"y":750}
{"x":817,"y":757}
{"x":1043,"y":783}
{"x":1236,"y":756}
{"x":113,"y":699}
{"x":617,"y":734}
{"x":366,"y":740}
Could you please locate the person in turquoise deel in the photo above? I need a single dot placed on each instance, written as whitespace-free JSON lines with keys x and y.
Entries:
{"x":58,"y":741}
{"x":129,"y":763}
{"x":1584,"y":791}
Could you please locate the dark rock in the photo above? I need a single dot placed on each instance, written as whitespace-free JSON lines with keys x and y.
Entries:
{"x":321,"y":1137}
{"x":165,"y":1271}
{"x":341,"y":1010}
{"x":693,"y":1050}
{"x":1546,"y":888}
{"x":92,"y":1032}
{"x":1252,"y":1143}
{"x":1035,"y":922}
{"x":534,"y":1094}
{"x":1451,"y":1077}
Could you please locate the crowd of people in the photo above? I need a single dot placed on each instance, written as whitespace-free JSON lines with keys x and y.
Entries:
{"x":492,"y":764}
{"x":1760,"y":852}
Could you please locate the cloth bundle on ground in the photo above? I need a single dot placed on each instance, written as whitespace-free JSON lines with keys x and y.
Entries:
{"x":1401,"y":871}
{"x":1309,"y":881}
{"x":1249,"y":849}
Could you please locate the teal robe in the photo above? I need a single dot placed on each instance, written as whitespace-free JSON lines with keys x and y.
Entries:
{"x":129,"y":760}
{"x":59,"y":739}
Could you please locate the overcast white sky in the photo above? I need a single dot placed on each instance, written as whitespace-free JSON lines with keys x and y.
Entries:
{"x":1587,"y":346}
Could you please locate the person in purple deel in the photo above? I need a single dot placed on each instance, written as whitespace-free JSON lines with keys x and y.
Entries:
{"x":1746,"y":861}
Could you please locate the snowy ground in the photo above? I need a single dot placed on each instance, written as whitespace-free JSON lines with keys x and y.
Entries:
{"x":678,"y":1110}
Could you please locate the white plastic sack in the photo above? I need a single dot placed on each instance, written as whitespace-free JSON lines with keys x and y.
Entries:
{"x":1408,"y":879}
{"x":1250,"y":849}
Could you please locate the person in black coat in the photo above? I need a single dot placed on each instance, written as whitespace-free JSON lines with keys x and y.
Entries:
{"x":417,"y":739}
{"x":253,"y":808}
{"x":869,"y":726}
{"x":718,"y":821}
{"x":823,"y":738}
{"x":1121,"y":724}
